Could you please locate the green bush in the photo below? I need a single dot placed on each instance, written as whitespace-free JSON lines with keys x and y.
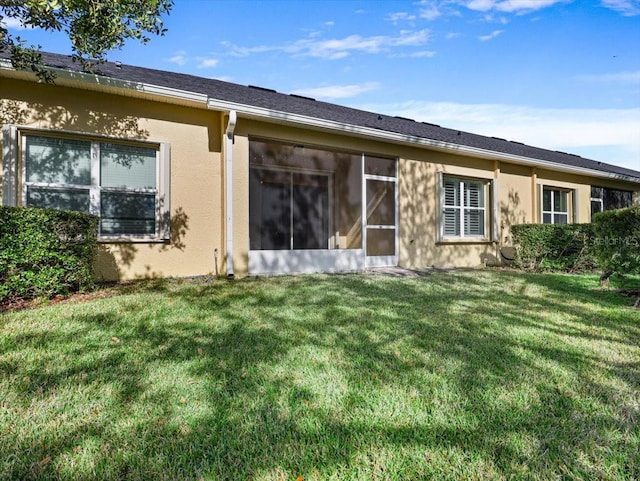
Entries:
{"x":45,"y":252}
{"x":547,"y":247}
{"x":616,"y":241}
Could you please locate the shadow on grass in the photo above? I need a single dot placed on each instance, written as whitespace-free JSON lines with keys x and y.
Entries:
{"x":485,"y":375}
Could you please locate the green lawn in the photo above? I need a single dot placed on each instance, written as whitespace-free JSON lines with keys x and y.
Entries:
{"x":476,"y":375}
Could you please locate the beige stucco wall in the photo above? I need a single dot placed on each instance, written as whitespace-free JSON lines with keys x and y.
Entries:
{"x":419,"y":206}
{"x":516,"y":199}
{"x":196,"y":173}
{"x":197,"y":200}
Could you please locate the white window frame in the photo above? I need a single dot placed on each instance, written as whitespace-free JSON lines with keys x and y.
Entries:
{"x":600,"y":202}
{"x":489,"y":199}
{"x":553,"y":190}
{"x":15,"y":185}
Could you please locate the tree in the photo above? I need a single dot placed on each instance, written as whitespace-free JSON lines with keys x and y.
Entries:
{"x":93,"y":26}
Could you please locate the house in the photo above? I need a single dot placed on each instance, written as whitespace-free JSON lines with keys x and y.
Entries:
{"x":194,"y":176}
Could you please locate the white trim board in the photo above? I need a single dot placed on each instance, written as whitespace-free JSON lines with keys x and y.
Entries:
{"x":305,"y":261}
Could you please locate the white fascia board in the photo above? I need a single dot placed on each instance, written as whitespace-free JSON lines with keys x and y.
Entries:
{"x":383,"y":135}
{"x":135,"y":86}
{"x":174,"y":93}
{"x":141,"y":87}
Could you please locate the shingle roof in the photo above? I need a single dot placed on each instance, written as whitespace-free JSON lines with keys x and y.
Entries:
{"x":293,"y":104}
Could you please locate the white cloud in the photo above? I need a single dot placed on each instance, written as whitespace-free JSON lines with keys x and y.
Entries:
{"x":511,"y":6}
{"x":179,"y":58}
{"x":481,"y":5}
{"x":430,"y":13}
{"x":433,"y":9}
{"x":400,"y":17}
{"x":628,"y":8}
{"x":492,"y":35}
{"x":332,"y":49}
{"x":239,"y":51}
{"x":419,"y":54}
{"x":14,"y":24}
{"x":337,"y":91}
{"x":339,"y":48}
{"x":518,"y":6}
{"x":208,"y":63}
{"x":607,"y":135}
{"x":491,"y":18}
{"x":423,"y":54}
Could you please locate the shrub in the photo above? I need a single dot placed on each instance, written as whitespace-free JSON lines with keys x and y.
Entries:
{"x":548,"y":247}
{"x":616,"y":241}
{"x":45,"y":252}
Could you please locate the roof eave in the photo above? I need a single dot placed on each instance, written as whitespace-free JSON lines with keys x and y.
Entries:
{"x":384,"y":135}
{"x":179,"y":96}
{"x":94,"y":82}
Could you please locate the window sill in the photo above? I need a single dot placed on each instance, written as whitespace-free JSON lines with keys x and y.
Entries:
{"x":131,"y":240}
{"x":465,"y":240}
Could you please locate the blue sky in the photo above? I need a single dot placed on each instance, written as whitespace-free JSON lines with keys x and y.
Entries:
{"x":559,"y":74}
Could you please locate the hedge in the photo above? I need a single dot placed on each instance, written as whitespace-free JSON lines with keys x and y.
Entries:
{"x":554,"y":247}
{"x":616,"y":241}
{"x":45,"y":252}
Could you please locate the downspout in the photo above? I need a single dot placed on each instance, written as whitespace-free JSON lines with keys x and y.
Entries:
{"x":228,"y":152}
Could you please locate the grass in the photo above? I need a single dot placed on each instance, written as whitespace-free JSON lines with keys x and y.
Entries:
{"x":479,"y":375}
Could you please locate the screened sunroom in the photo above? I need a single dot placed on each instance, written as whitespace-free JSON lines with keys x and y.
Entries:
{"x":306,"y":209}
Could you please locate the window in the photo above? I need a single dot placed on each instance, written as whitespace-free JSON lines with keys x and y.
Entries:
{"x":597,"y":201}
{"x":124,"y":183}
{"x":464,"y":208}
{"x":603,"y":199}
{"x":129,"y":189}
{"x":555,"y":206}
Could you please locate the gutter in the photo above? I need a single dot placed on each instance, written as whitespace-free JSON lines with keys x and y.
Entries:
{"x":289,"y":118}
{"x":228,"y":195}
{"x":103,"y":81}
